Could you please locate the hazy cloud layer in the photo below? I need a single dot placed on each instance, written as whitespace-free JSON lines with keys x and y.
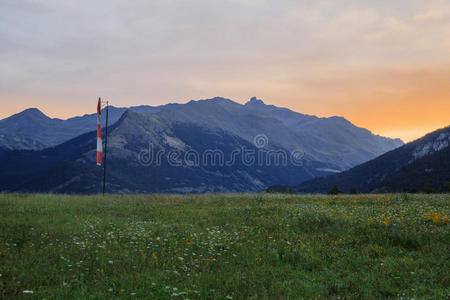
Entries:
{"x":352,"y":58}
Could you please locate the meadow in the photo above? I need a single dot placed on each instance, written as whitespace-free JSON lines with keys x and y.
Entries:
{"x":255,"y":246}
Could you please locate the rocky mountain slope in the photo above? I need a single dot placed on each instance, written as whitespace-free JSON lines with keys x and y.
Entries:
{"x":334,"y":141}
{"x":421,"y":165}
{"x":149,"y":153}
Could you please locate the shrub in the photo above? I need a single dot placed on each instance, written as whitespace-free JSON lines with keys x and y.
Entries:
{"x":334,"y":191}
{"x":354,"y":191}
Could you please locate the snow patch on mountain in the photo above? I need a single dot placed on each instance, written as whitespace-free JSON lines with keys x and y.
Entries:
{"x":441,"y":142}
{"x":174,"y":142}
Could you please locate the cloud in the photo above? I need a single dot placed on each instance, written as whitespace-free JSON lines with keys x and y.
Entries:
{"x":135,"y":52}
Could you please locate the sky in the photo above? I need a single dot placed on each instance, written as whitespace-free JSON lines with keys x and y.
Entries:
{"x":384,"y":65}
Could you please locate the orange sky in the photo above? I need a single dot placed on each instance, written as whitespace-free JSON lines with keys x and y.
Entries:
{"x":384,"y":66}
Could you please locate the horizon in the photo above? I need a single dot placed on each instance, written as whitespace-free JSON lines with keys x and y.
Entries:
{"x":405,"y":136}
{"x":386,"y":69}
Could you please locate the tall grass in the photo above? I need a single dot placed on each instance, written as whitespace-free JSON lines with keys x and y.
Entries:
{"x":243,"y":246}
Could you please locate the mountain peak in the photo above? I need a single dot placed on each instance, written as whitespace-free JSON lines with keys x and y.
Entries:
{"x":213,"y":100}
{"x":136,"y":118}
{"x":33,"y":111}
{"x":29,"y":114}
{"x":254,"y":101}
{"x":128,"y":115}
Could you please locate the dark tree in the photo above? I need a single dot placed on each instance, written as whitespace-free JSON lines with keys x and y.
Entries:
{"x":447,"y":186}
{"x":354,"y":191}
{"x":427,"y":188}
{"x":280,"y":189}
{"x":334,"y":191}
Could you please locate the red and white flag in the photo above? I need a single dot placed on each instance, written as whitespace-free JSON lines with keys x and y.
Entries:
{"x":99,"y":133}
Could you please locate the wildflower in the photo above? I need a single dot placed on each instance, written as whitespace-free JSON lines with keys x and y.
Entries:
{"x":110,"y":262}
{"x":154,"y":255}
{"x":27,"y":292}
{"x":436,"y":219}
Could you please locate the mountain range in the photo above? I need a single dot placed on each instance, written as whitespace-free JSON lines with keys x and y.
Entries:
{"x":133,"y":165}
{"x":419,"y":166}
{"x":43,"y":154}
{"x":33,"y":130}
{"x":333,"y":140}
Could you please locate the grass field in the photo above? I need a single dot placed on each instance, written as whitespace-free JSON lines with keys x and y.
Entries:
{"x":225,"y":247}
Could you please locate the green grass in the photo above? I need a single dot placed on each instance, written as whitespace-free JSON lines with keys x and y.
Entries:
{"x":253,"y":246}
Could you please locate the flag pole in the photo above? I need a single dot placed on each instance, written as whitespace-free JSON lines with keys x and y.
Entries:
{"x":106,"y":145}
